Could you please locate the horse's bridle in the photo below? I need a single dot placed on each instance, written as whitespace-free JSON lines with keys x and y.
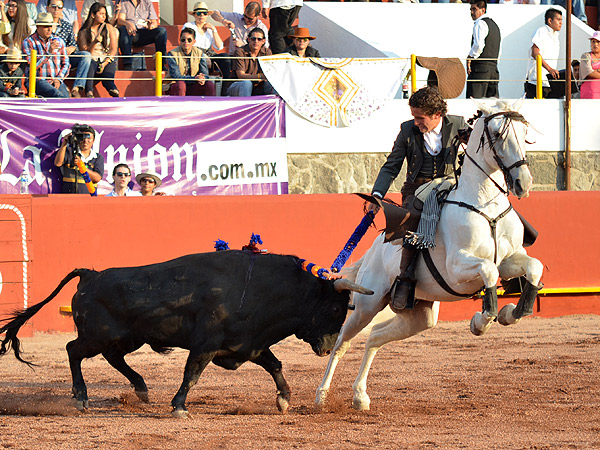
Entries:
{"x":510,"y":116}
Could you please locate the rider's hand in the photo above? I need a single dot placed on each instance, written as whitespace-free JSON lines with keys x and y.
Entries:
{"x":372,"y":207}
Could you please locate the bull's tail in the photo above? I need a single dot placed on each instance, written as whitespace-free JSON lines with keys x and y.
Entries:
{"x":15,"y":321}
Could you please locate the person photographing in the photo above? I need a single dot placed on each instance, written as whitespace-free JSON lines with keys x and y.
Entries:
{"x":77,"y":151}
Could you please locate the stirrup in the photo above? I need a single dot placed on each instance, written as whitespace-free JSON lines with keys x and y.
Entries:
{"x":402,"y":294}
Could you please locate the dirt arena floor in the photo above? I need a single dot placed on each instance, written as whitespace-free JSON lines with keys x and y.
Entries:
{"x":534,"y":385}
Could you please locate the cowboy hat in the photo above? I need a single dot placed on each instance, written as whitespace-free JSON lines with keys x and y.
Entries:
{"x":139,"y":177}
{"x":13,"y":55}
{"x":44,"y":19}
{"x":198,"y":6}
{"x":301,"y":33}
{"x":448,"y":73}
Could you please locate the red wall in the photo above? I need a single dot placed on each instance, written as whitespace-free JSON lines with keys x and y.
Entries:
{"x":69,"y":231}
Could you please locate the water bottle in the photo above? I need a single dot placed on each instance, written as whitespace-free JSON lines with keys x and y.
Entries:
{"x":405,"y":88}
{"x":24,"y":182}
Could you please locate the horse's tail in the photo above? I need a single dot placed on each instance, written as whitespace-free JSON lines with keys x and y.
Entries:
{"x":15,"y":321}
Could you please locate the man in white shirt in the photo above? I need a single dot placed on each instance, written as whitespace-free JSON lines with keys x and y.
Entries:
{"x":482,"y":61}
{"x":122,"y":177}
{"x":281,"y":14}
{"x":545,"y":42}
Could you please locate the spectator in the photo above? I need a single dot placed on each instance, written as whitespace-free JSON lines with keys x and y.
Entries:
{"x":52,"y":59}
{"x":21,"y":25}
{"x":4,"y":28}
{"x":545,"y":43}
{"x":70,"y":13}
{"x":281,"y":15}
{"x":590,"y":69}
{"x":11,"y":75}
{"x":138,"y":25}
{"x":188,"y":68}
{"x":240,"y":25}
{"x":100,"y":39}
{"x":112,"y":10}
{"x":300,"y":44}
{"x":79,"y":59}
{"x":75,"y":146}
{"x":578,"y":9}
{"x":246,"y":67}
{"x":122,"y":176}
{"x":482,"y":61}
{"x":149,"y":181}
{"x":207,"y":36}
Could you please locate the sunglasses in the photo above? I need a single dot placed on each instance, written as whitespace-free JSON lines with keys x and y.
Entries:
{"x":187,"y":40}
{"x":148,"y":180}
{"x":201,"y":13}
{"x":11,"y":5}
{"x":123,"y":174}
{"x":250,"y":19}
{"x":302,"y":39}
{"x":56,"y":6}
{"x":256,"y":39}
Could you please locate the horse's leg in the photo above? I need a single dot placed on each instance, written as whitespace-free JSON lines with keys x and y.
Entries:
{"x":406,"y":323}
{"x":514,"y":266}
{"x":366,"y":308}
{"x":466,"y":267}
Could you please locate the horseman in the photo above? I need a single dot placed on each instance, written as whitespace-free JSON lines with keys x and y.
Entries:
{"x":426,"y":143}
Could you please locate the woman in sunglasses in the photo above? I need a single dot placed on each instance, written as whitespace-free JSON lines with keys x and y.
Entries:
{"x":301,"y":44}
{"x":100,"y":39}
{"x":207,"y":36}
{"x":21,"y":25}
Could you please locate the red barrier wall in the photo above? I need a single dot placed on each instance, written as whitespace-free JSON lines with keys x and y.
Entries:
{"x":69,"y":231}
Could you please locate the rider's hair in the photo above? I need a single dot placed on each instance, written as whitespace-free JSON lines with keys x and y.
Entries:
{"x":429,"y":100}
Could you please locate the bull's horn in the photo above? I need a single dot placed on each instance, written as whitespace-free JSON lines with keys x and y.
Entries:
{"x":342,"y":284}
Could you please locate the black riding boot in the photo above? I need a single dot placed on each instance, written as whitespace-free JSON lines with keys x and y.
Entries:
{"x":402,"y":292}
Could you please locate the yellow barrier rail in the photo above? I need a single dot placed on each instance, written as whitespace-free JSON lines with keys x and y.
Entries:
{"x":32,"y":73}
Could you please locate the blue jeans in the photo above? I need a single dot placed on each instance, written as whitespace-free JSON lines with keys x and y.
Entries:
{"x":44,"y":89}
{"x":142,"y":37}
{"x":245,"y":88}
{"x":81,"y":61}
{"x":578,"y":8}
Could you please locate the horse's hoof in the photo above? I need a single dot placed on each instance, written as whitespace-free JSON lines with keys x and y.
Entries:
{"x":143,"y":396}
{"x":362,"y":403}
{"x":282,"y":404}
{"x":505,"y":317}
{"x":81,"y":405}
{"x":321,"y":398}
{"x":180,"y":413}
{"x":480,"y":323}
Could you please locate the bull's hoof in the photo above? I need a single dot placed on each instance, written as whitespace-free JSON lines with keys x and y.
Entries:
{"x":180,"y":413}
{"x":361,"y":402}
{"x":81,"y":405}
{"x":143,"y":396}
{"x":321,"y":398}
{"x":480,"y":323}
{"x":283,"y":404}
{"x":505,"y":317}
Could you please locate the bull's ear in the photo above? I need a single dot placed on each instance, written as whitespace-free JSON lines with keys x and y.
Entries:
{"x":343,"y":284}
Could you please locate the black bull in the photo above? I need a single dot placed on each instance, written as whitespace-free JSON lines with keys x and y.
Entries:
{"x":227,"y":307}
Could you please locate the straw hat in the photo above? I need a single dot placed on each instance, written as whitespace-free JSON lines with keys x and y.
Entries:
{"x":13,"y":55}
{"x":450,"y":74}
{"x":301,"y":33}
{"x":198,"y":6}
{"x":44,"y":19}
{"x":153,"y":175}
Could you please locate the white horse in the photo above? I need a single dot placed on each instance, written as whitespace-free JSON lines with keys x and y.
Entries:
{"x":479,"y":238}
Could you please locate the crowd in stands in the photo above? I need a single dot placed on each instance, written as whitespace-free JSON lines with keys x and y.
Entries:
{"x":89,"y":48}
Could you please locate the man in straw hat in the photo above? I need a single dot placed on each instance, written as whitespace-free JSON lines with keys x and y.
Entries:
{"x":149,"y":181}
{"x":281,"y":14}
{"x":300,"y":44}
{"x":11,"y":75}
{"x":52,"y":59}
{"x":426,"y":143}
{"x":482,"y":61}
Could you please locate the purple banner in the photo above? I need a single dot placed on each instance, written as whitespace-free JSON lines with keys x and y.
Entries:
{"x":197,"y":146}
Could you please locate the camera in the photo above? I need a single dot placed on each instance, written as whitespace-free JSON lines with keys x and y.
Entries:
{"x":78,"y":132}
